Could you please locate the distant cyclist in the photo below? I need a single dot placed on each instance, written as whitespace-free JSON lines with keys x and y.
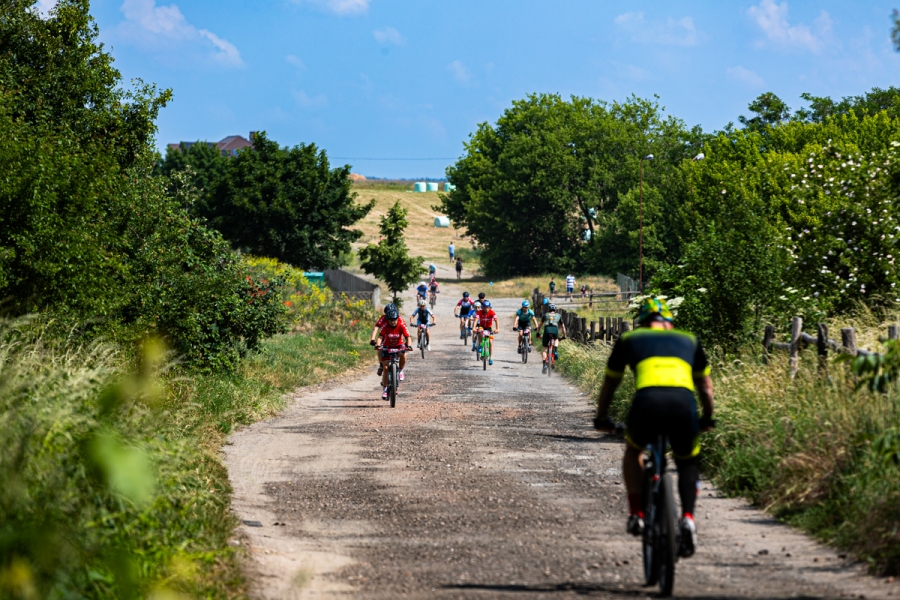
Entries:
{"x":523,"y":318}
{"x":434,"y":288}
{"x":669,"y":366}
{"x":458,"y":268}
{"x":462,"y":311}
{"x":432,"y":269}
{"x":473,"y":321}
{"x":551,"y":324}
{"x":394,"y":335}
{"x":487,"y":321}
{"x":423,"y":316}
{"x":379,"y":324}
{"x":570,"y":286}
{"x":421,"y":291}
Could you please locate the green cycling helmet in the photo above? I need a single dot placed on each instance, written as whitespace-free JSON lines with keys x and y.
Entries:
{"x":654,"y":307}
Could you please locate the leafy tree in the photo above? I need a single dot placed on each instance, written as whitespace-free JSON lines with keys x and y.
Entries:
{"x":286,"y":203}
{"x":870,"y":103}
{"x":389,"y":259}
{"x":204,"y":161}
{"x":86,"y":233}
{"x":540,"y":189}
{"x":770,"y":110}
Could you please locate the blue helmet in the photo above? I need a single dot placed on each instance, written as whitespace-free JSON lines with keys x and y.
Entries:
{"x":486,"y":304}
{"x":526,"y":304}
{"x":465,"y":294}
{"x":546,"y":301}
{"x":389,"y":307}
{"x":392,"y":313}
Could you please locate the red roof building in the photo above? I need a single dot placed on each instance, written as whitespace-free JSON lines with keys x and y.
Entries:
{"x":228,"y":146}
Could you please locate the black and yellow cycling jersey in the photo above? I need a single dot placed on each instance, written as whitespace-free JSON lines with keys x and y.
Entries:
{"x":665,"y":364}
{"x":659,"y":358}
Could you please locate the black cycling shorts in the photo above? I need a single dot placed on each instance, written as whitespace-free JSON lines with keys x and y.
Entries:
{"x":549,"y":336}
{"x":664,"y":411}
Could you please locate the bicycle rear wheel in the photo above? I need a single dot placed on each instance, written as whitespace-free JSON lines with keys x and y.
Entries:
{"x":550,"y":363}
{"x":433,"y":300}
{"x":465,"y":336}
{"x":668,"y":523}
{"x":484,"y":356}
{"x":392,"y":385}
{"x":649,"y":539}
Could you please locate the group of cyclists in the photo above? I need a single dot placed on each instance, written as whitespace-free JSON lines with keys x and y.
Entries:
{"x":669,"y":365}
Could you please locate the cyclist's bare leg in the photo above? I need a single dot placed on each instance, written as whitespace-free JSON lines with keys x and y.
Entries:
{"x":402,"y":360}
{"x":632,"y":473}
{"x":384,"y":374}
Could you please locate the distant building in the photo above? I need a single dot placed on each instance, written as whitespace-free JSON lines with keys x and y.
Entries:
{"x":228,"y":146}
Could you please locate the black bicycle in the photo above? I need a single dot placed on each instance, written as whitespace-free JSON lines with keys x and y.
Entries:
{"x":661,"y":536}
{"x":423,"y":340}
{"x":525,"y":344}
{"x":393,"y":371}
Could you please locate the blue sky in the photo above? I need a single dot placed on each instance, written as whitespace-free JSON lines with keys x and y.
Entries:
{"x":390,"y":79}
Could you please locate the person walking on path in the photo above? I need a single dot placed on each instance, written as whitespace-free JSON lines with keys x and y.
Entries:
{"x":458,"y":269}
{"x":452,"y":249}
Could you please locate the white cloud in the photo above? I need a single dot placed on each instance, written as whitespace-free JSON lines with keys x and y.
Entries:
{"x":44,"y":7}
{"x":772,"y":19}
{"x":745,"y":76}
{"x":388,"y":36}
{"x":307,"y":101}
{"x":671,"y":32}
{"x":146,"y":21}
{"x":459,"y":71}
{"x":340,"y":7}
{"x":294,"y":60}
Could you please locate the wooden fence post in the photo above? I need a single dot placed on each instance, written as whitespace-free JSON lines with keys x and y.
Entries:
{"x":626,"y":327}
{"x":848,"y":340}
{"x":893,"y":332}
{"x":593,"y":331}
{"x":582,"y":327}
{"x":822,"y":345}
{"x":591,"y":300}
{"x":796,"y":331}
{"x":608,"y":335}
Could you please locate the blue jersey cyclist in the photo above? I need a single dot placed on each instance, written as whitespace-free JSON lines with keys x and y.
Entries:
{"x":523,"y":319}
{"x":669,"y":366}
{"x":423,"y":316}
{"x":421,"y":290}
{"x":463,"y":311}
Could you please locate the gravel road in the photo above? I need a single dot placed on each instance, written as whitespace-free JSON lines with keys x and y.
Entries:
{"x":481,"y":484}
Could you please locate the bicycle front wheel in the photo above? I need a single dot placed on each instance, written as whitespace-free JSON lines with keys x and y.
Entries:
{"x":392,"y":385}
{"x":465,"y":336}
{"x":524,"y":348}
{"x":649,"y":539}
{"x":668,"y":523}
{"x":422,"y":343}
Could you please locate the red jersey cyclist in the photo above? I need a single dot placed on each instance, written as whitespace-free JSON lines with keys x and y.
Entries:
{"x":487,"y":320}
{"x":392,"y":336}
{"x":381,"y":322}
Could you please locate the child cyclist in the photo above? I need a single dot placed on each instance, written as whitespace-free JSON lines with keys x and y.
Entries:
{"x":487,"y":321}
{"x":521,"y":321}
{"x":463,"y":311}
{"x":394,"y":335}
{"x":551,"y":323}
{"x":421,"y":291}
{"x":421,"y":316}
{"x":381,"y":322}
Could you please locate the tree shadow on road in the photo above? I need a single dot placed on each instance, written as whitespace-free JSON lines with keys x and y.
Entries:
{"x":591,"y":589}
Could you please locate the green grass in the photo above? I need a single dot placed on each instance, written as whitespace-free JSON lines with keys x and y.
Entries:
{"x":811,"y":451}
{"x":113,"y":485}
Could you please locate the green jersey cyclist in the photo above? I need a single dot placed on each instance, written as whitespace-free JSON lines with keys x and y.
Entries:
{"x":523,"y":318}
{"x":551,"y":322}
{"x":669,"y":366}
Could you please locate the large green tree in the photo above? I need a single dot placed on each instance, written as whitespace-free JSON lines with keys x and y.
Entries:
{"x":203,"y":161}
{"x":540,"y":190}
{"x":287,"y":203}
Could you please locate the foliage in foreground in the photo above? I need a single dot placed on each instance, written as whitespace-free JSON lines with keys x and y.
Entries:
{"x":113,"y":485}
{"x":810,"y":450}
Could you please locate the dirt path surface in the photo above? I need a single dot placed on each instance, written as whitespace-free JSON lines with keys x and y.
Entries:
{"x":481,"y":484}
